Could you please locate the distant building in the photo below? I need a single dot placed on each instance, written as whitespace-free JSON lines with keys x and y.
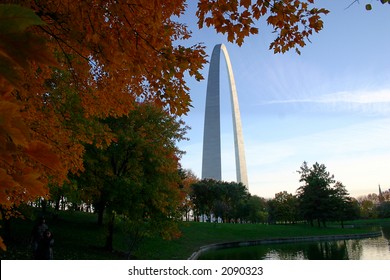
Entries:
{"x":381,"y":198}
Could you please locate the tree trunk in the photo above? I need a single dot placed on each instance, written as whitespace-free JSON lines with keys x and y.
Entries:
{"x":100,"y":206}
{"x":110,"y":235}
{"x":57,"y":206}
{"x":44,"y":205}
{"x":6,"y":225}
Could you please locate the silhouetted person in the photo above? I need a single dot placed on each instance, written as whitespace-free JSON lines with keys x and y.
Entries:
{"x":45,"y":247}
{"x":37,"y":235}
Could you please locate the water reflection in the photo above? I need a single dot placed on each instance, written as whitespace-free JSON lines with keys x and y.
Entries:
{"x":357,"y":249}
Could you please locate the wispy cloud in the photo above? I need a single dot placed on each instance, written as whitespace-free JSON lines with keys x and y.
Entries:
{"x":364,"y":101}
{"x":361,"y":97}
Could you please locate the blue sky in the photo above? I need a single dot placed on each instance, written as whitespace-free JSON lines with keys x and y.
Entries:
{"x":331,"y":104}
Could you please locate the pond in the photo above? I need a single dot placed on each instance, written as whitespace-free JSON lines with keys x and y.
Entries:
{"x":377,"y":248}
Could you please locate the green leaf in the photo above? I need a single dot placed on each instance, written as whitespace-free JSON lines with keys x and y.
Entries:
{"x":15,"y":18}
{"x":368,"y":7}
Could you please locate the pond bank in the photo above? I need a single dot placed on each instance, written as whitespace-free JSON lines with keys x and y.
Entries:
{"x":205,"y":248}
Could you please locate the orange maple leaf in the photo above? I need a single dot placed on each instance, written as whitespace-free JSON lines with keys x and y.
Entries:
{"x":42,"y":153}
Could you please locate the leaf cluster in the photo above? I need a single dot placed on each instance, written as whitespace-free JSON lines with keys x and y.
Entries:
{"x":292,"y":21}
{"x":18,"y":46}
{"x":26,"y":162}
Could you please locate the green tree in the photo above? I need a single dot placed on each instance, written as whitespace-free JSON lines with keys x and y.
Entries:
{"x":257,"y":209}
{"x":219,"y":198}
{"x":203,"y":197}
{"x":271,"y":210}
{"x":384,"y":210}
{"x":343,"y":206}
{"x":235,"y":196}
{"x":136,"y":177}
{"x":367,"y":204}
{"x":314,"y":195}
{"x":323,"y":199}
{"x":285,"y":207}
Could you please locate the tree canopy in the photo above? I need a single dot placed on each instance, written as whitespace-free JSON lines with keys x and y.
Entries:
{"x":320,"y":197}
{"x":292,"y":21}
{"x":226,"y":200}
{"x":137,"y":174}
{"x":283,"y":208}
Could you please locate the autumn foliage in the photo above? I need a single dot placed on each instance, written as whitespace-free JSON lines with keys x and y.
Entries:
{"x":292,"y":21}
{"x":25,"y":160}
{"x":107,"y":55}
{"x":67,"y":65}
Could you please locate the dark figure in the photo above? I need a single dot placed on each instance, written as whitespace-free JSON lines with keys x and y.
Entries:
{"x":45,"y":247}
{"x":37,"y":235}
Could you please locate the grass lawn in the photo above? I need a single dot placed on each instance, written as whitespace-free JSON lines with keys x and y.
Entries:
{"x":196,"y":235}
{"x":77,"y":236}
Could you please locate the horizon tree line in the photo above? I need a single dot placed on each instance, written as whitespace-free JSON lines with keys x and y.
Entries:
{"x":320,"y":199}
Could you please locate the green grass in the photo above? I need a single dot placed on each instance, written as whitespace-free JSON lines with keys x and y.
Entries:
{"x":77,"y":236}
{"x":370,"y":222}
{"x":196,"y":235}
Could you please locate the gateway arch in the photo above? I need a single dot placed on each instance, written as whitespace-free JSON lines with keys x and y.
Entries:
{"x":211,"y":161}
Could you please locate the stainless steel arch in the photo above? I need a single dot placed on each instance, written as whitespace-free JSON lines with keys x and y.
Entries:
{"x":211,"y":162}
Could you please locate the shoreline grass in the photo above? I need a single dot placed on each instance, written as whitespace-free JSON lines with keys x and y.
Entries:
{"x":196,"y":235}
{"x":78,"y":237}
